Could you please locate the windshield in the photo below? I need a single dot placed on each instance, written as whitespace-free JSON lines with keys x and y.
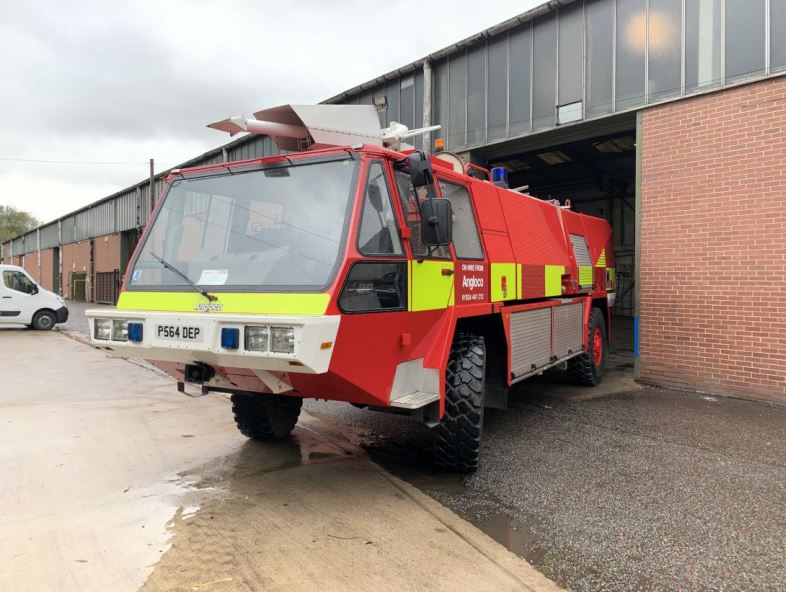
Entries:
{"x":272,"y":228}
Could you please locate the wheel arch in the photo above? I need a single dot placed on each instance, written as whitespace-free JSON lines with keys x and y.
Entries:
{"x":39,"y":311}
{"x":490,"y":327}
{"x":602,"y":304}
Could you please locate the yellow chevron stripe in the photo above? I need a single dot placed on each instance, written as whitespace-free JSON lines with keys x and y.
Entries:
{"x":602,"y":259}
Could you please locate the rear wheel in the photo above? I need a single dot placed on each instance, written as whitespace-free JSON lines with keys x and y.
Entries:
{"x":458,"y":436}
{"x":587,"y":369}
{"x":265,"y":417}
{"x":44,"y":320}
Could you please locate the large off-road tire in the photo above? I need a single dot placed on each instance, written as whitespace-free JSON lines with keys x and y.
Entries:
{"x":458,"y":436}
{"x":265,"y":417}
{"x":44,"y":320}
{"x":587,"y":368}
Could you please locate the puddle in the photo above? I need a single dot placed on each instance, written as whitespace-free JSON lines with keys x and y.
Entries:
{"x":413,"y":465}
{"x":519,"y":540}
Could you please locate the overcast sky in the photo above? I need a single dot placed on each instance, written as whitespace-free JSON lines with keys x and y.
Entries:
{"x":126,"y":81}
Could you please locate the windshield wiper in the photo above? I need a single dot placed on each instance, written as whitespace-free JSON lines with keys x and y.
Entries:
{"x":171,"y":267}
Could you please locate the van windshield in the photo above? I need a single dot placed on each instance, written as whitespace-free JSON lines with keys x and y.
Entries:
{"x":278,"y":228}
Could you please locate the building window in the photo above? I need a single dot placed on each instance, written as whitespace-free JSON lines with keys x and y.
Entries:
{"x":664,"y":36}
{"x":544,"y":78}
{"x":702,"y":44}
{"x":631,"y":43}
{"x":745,"y":28}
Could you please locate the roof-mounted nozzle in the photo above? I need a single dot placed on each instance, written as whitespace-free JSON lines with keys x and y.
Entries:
{"x":307,"y":127}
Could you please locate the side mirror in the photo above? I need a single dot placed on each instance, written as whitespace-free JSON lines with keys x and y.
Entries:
{"x":436,"y":222}
{"x":420,"y":172}
{"x":34,"y":289}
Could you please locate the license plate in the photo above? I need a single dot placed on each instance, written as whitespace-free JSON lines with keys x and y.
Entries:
{"x":179,"y":332}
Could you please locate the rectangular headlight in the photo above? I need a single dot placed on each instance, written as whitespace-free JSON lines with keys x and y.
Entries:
{"x":120,"y":330}
{"x":103,"y":329}
{"x":257,"y":338}
{"x":282,"y":340}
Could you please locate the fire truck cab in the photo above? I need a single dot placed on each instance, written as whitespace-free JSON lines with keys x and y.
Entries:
{"x":385,"y":278}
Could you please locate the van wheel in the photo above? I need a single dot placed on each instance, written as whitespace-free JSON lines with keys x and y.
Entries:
{"x":458,"y":436}
{"x":265,"y":417}
{"x":587,"y":369}
{"x":44,"y":320}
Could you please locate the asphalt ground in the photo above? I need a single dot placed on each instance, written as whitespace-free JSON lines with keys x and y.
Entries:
{"x":644,"y":489}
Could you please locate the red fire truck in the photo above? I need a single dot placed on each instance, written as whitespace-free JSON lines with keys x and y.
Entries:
{"x":354,"y":268}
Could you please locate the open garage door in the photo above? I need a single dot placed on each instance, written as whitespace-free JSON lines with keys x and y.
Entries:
{"x":593,"y":165}
{"x":598,"y":177}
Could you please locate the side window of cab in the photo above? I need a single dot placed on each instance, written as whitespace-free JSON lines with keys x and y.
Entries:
{"x":378,"y":235}
{"x":17,"y":281}
{"x":466,"y":240}
{"x":410,"y":204}
{"x":377,"y":283}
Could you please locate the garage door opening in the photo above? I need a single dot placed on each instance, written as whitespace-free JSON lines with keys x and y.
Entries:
{"x":598,"y":176}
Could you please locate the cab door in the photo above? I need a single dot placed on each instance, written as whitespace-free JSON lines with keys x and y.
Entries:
{"x":18,"y":297}
{"x":471,"y":268}
{"x":431,"y":272}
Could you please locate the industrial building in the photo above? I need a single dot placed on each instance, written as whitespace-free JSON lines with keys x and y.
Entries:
{"x":667,"y":117}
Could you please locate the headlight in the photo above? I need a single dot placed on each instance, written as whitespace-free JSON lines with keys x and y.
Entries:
{"x":282,"y":340}
{"x":103,"y":329}
{"x":120,"y":330}
{"x":257,"y":338}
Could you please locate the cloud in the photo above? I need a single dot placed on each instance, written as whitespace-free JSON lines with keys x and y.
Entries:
{"x":125,"y":81}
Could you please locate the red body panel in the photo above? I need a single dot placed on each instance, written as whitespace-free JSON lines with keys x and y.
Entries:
{"x":514,"y":228}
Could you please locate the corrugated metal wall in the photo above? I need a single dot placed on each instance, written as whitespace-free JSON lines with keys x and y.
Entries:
{"x":68,"y":227}
{"x":101,"y":219}
{"x":17,"y":246}
{"x":50,"y":236}
{"x":128,"y":212}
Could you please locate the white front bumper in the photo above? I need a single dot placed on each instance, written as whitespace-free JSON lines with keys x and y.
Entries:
{"x":315,"y":338}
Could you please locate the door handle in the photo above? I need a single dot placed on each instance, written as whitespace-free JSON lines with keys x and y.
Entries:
{"x":7,"y":297}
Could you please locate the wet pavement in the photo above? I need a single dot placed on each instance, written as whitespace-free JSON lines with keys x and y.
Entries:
{"x":111,"y":481}
{"x":77,"y":321}
{"x":636,"y":490}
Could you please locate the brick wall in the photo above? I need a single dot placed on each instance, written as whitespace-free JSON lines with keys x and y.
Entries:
{"x":76,"y":258}
{"x":47,"y":269}
{"x":106,"y":252}
{"x":30,"y":263}
{"x":713,"y":258}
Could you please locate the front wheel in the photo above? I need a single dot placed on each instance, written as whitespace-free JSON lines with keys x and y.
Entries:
{"x":43,"y":320}
{"x":265,"y":417}
{"x":587,"y":368}
{"x":458,"y":436}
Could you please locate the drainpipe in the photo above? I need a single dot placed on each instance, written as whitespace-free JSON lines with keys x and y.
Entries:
{"x":637,"y":253}
{"x":38,"y":249}
{"x":427,"y":103}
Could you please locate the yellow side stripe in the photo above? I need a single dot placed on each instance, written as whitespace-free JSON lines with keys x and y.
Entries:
{"x":284,"y":304}
{"x":553,"y":285}
{"x":602,"y":259}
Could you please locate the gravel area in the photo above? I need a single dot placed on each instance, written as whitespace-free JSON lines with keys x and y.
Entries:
{"x":652,"y":490}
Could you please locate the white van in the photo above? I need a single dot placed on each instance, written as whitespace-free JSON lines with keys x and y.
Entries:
{"x":24,"y":302}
